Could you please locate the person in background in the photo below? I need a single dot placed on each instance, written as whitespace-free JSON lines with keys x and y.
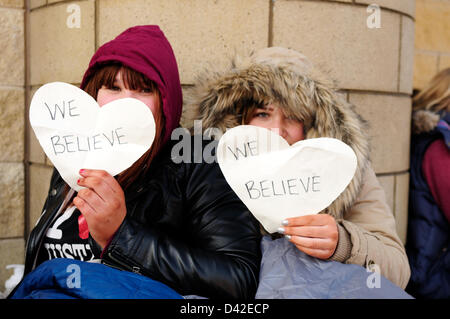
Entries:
{"x":428,"y":243}
{"x":179,"y":224}
{"x":277,"y":88}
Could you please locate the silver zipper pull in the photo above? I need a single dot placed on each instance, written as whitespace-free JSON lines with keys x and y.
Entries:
{"x":136,"y":270}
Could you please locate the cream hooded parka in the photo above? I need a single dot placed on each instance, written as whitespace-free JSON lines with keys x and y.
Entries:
{"x":284,"y":77}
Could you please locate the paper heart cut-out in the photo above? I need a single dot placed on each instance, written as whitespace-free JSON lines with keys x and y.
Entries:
{"x":277,"y":181}
{"x":76,"y":133}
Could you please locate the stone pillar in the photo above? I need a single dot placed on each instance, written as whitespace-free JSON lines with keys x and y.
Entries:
{"x":61,"y":43}
{"x":370,"y":54}
{"x":12,"y":119}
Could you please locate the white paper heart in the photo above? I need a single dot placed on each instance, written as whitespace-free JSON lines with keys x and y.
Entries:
{"x":277,"y":181}
{"x":76,"y":133}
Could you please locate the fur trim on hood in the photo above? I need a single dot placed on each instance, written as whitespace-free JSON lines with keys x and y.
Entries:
{"x":424,"y":121}
{"x":284,"y":77}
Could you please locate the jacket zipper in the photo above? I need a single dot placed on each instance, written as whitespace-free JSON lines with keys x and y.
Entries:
{"x":122,"y":264}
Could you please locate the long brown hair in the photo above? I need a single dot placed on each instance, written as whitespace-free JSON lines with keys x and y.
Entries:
{"x":105,"y":75}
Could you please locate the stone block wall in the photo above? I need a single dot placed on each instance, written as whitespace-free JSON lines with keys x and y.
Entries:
{"x":372,"y":66}
{"x":12,"y":135}
{"x":432,"y":43}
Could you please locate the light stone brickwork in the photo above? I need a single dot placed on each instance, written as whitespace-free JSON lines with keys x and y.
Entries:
{"x":37,"y":3}
{"x":389,"y":121}
{"x":12,"y":125}
{"x":12,"y":47}
{"x":354,"y":55}
{"x":12,"y":135}
{"x":35,"y":152}
{"x":401,"y":193}
{"x":202,"y":33}
{"x":432,"y":41}
{"x":444,"y":62}
{"x":12,"y":3}
{"x":59,"y":52}
{"x":376,"y":69}
{"x":11,"y":200}
{"x":406,"y":66}
{"x":12,"y":252}
{"x":403,"y":6}
{"x":388,"y":184}
{"x":39,"y":175}
{"x":396,"y":188}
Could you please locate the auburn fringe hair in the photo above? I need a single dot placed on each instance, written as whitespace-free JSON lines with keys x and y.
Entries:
{"x":105,"y":75}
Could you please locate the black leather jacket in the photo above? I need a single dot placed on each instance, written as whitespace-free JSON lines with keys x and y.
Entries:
{"x":184,"y":227}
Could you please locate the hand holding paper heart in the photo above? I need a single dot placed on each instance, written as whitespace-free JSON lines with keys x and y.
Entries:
{"x":102,"y":204}
{"x":277,"y":181}
{"x":316,"y":235}
{"x":76,"y":133}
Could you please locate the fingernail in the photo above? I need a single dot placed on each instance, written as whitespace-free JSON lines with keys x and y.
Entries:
{"x":81,"y":171}
{"x":288,"y":237}
{"x":78,"y":181}
{"x":285,"y":222}
{"x":281,"y":230}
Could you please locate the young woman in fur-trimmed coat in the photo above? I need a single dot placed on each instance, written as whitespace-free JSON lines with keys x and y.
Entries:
{"x":277,"y":88}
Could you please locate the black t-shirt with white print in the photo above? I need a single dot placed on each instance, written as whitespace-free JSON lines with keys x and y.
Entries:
{"x":67,"y":237}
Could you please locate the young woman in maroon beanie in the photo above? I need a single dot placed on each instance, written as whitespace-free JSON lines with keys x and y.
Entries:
{"x":180,"y":224}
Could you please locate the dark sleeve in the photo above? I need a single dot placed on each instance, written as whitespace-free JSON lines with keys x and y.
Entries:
{"x":217,"y":255}
{"x":54,"y":192}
